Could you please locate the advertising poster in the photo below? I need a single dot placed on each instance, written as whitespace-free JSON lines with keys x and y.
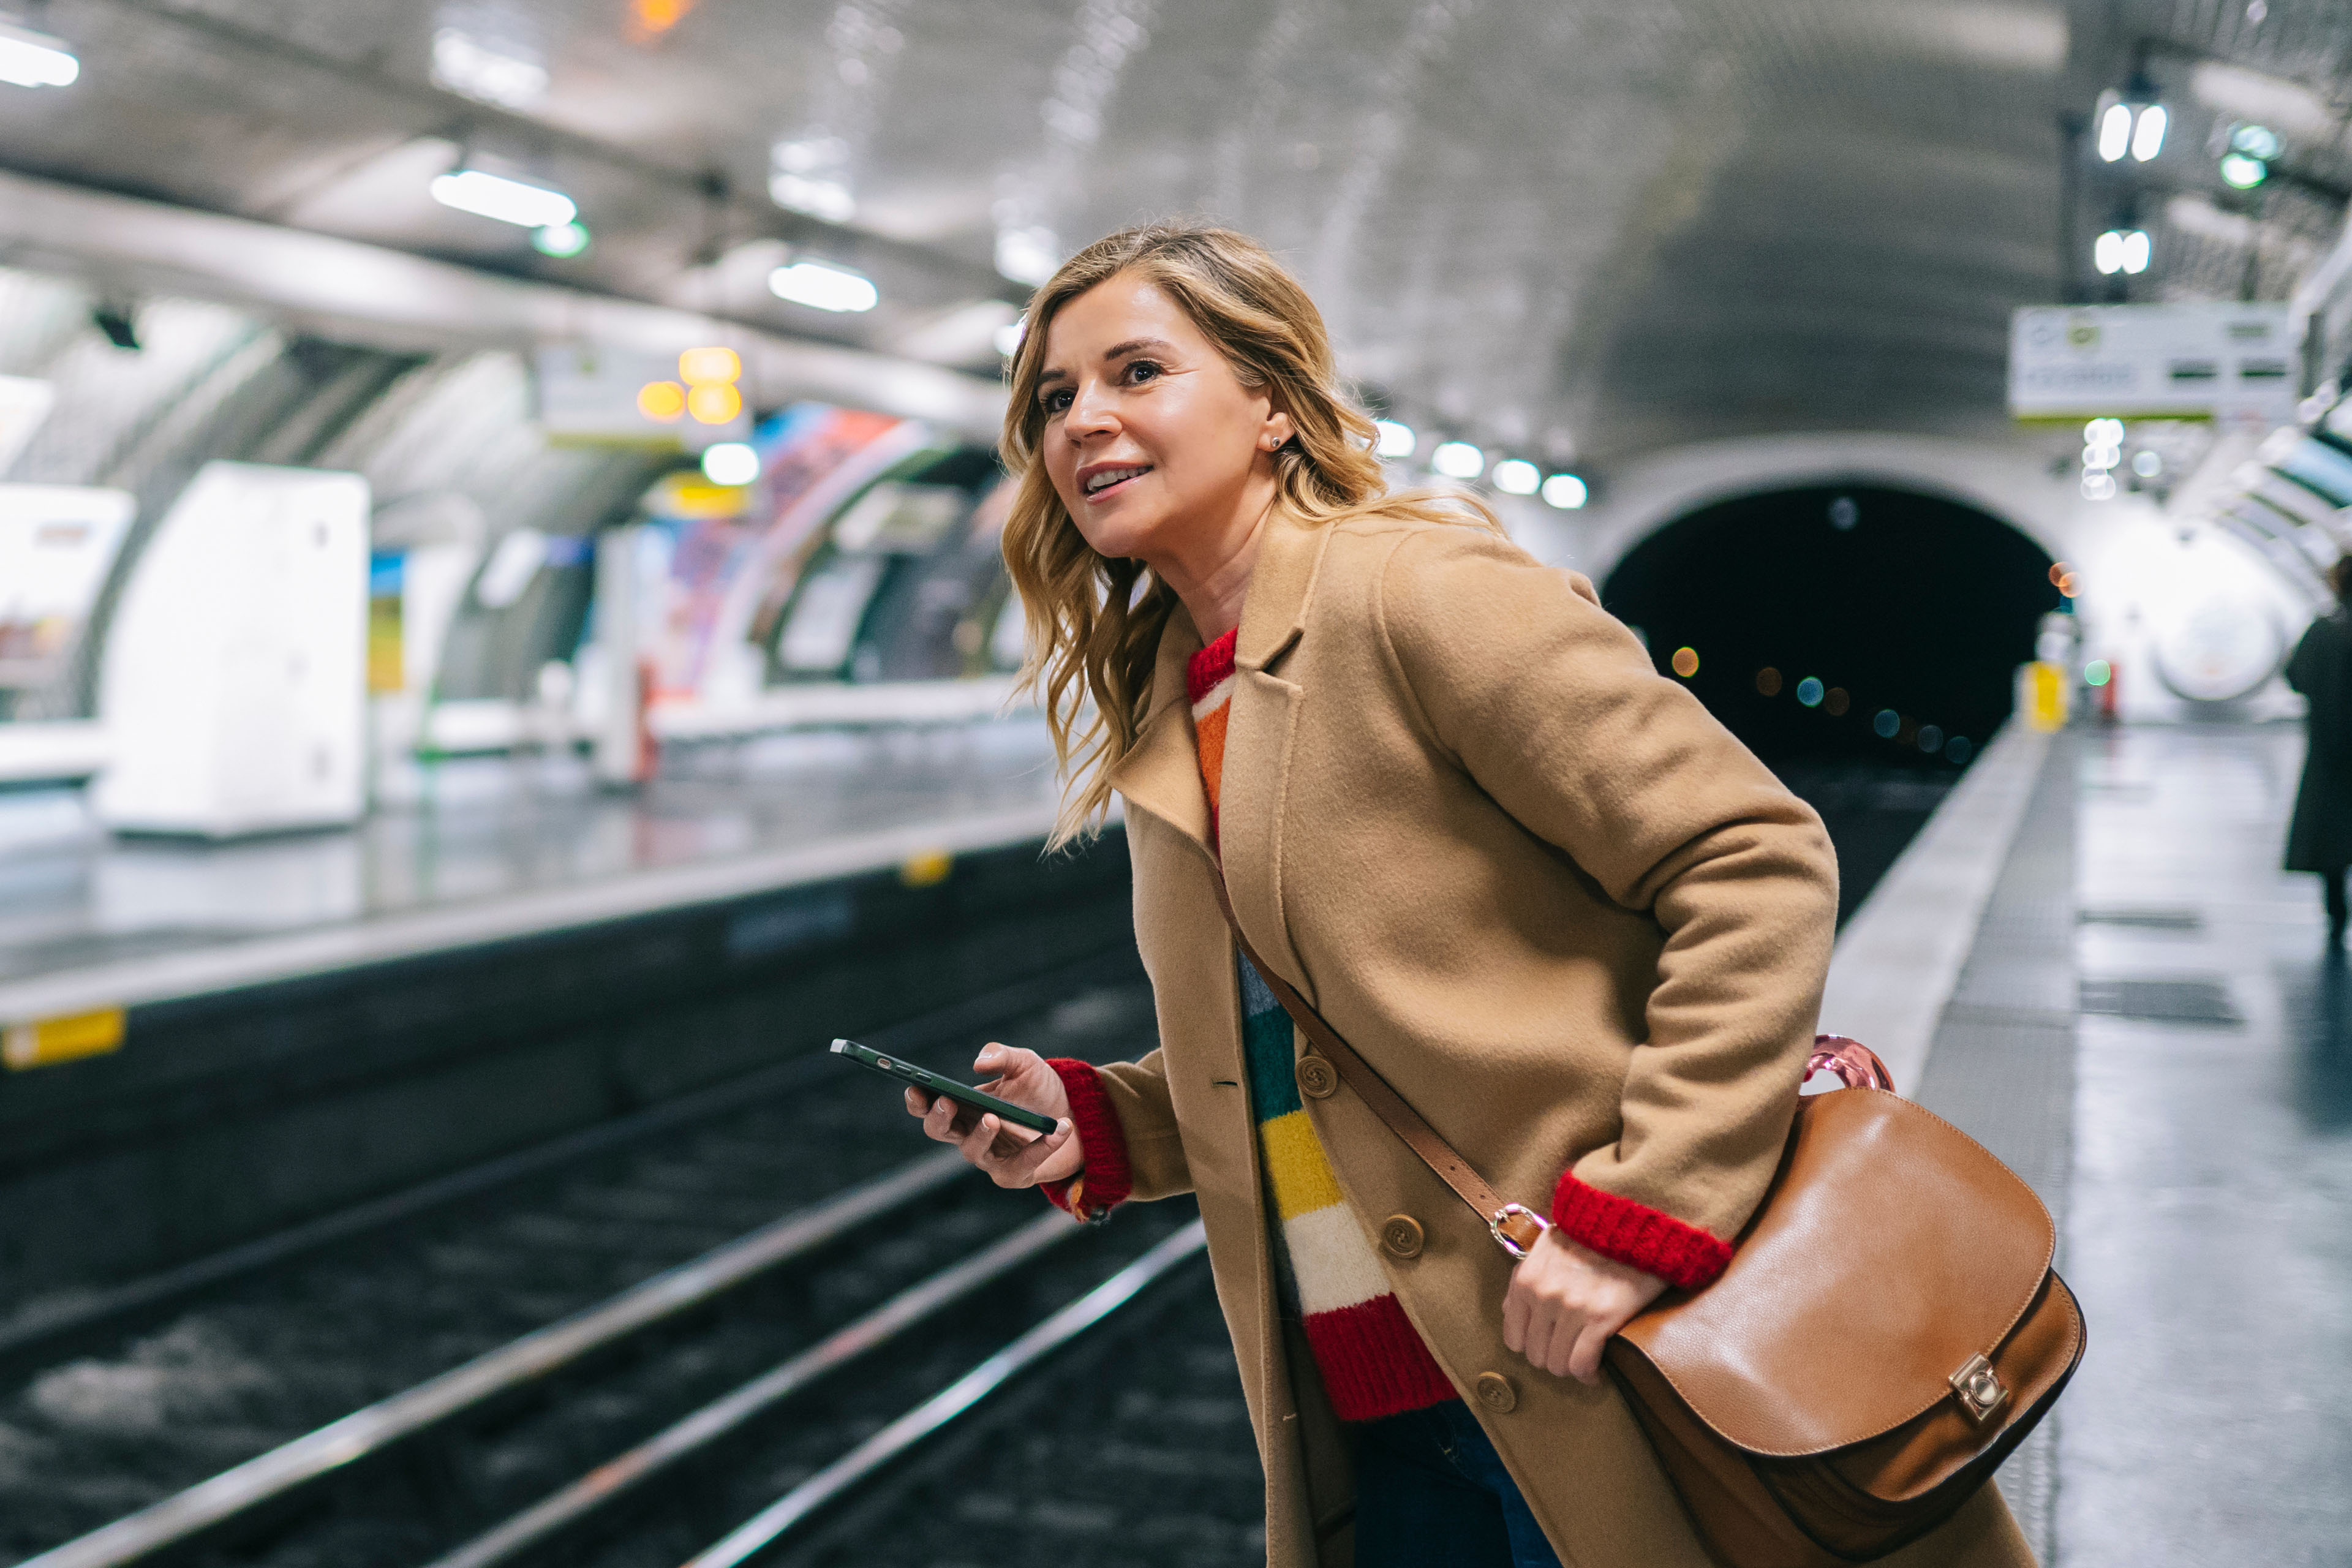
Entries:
{"x":735,"y":553}
{"x":56,"y":544}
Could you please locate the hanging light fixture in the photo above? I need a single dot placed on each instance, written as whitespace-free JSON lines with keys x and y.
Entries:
{"x":518,"y":202}
{"x":29,"y":58}
{"x":2132,"y":122}
{"x":2125,"y":250}
{"x":824,"y":285}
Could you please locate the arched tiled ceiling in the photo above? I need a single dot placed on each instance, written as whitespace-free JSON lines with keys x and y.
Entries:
{"x":1562,"y":227}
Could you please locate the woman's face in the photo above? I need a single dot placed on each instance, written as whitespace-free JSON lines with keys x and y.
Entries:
{"x":1150,"y":439}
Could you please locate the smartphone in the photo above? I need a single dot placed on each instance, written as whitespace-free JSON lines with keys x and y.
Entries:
{"x":932,"y":1084}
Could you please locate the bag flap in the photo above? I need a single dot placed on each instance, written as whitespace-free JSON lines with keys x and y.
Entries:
{"x":1891,"y":1248}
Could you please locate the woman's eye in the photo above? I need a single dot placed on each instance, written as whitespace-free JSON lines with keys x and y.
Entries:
{"x":1054,"y":402}
{"x":1142,"y":369}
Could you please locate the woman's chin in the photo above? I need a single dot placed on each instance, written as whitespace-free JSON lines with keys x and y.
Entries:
{"x":1122,"y":530}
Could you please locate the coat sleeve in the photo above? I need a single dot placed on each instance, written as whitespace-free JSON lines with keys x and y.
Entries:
{"x":1126,"y":1124}
{"x":1521,"y":679}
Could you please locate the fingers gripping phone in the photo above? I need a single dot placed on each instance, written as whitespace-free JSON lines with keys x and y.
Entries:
{"x":932,"y":1084}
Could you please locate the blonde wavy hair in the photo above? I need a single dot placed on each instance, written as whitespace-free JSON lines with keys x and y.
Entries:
{"x":1094,"y":621}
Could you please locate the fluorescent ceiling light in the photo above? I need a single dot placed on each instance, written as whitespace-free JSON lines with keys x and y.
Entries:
{"x":29,"y":58}
{"x":1458,"y":460}
{"x":508,"y":201}
{"x":2243,"y":172}
{"x":2148,"y":135}
{"x":2136,"y":250}
{"x":824,"y":285}
{"x":1565,"y":491}
{"x":2115,"y":133}
{"x":730,"y":463}
{"x":1515,"y":476}
{"x":1396,"y":439}
{"x":489,"y":72}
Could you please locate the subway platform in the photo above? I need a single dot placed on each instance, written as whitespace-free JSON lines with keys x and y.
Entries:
{"x":489,"y":849}
{"x":2090,"y":961}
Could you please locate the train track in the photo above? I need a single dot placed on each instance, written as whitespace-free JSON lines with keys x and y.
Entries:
{"x":375,"y":1394}
{"x":252,"y":1512}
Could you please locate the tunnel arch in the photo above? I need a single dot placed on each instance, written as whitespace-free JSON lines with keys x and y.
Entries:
{"x":2143,"y":569}
{"x":1862,"y":622}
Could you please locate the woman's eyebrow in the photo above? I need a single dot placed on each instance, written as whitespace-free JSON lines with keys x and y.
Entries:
{"x":1115,"y":351}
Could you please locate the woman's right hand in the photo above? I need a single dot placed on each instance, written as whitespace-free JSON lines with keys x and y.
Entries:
{"x":1012,"y":1156}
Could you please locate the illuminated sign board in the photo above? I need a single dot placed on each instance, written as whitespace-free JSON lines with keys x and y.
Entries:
{"x":2191,"y":361}
{"x":592,"y":395}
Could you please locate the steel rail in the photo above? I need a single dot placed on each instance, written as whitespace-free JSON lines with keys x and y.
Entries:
{"x":38,"y":1338}
{"x":768,"y":1528}
{"x":540,"y":1527}
{"x":187,"y":1517}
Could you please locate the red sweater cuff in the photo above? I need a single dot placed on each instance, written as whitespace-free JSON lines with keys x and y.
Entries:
{"x":1638,"y":1235}
{"x":1105,"y":1180}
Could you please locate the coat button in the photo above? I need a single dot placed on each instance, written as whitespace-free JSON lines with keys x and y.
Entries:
{"x":1317,"y":1079}
{"x":1400,"y":1235}
{"x":1498,"y":1392}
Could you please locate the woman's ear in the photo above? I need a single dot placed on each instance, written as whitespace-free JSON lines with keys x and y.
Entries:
{"x":1276,"y":431}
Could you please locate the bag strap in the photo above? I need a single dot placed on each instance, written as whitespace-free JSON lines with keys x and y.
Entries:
{"x":1514,"y":1227}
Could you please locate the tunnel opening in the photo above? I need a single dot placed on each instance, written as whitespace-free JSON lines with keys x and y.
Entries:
{"x":1862,"y":640}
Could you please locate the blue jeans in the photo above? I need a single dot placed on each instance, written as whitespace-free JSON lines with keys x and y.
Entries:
{"x":1431,"y":1492}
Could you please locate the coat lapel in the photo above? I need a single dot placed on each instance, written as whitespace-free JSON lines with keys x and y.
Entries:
{"x":1162,"y":772}
{"x":1259,"y":735}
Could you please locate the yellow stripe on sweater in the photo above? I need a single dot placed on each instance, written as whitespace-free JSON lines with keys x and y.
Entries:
{"x":1303,"y":1181}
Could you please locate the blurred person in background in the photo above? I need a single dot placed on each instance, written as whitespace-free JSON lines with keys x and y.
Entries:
{"x":1546,"y":895}
{"x":2320,"y":836}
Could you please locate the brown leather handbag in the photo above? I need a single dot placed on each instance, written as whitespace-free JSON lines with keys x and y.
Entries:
{"x":1888,"y":1328}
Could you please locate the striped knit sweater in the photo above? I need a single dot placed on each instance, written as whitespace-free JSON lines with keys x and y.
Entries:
{"x":1372,"y":1362}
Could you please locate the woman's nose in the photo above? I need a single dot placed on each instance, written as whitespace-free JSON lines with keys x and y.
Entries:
{"x":1090,"y":414}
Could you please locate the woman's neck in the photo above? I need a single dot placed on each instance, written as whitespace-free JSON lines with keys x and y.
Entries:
{"x":1211,"y":580}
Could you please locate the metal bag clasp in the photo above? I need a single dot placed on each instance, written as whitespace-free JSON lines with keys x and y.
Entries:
{"x":1978,"y":1388}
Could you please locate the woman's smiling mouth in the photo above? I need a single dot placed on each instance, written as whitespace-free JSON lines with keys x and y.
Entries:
{"x":1098,"y":483}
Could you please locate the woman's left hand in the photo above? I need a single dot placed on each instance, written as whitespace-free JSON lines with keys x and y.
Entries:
{"x":1565,"y":1301}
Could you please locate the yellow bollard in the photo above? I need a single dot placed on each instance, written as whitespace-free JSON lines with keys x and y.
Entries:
{"x":2043,"y":695}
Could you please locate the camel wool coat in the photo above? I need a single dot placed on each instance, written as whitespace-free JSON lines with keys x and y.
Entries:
{"x":1549,"y":898}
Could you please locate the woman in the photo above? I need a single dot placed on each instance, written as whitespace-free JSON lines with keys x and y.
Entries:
{"x":2320,"y":836}
{"x":1533,"y":883}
